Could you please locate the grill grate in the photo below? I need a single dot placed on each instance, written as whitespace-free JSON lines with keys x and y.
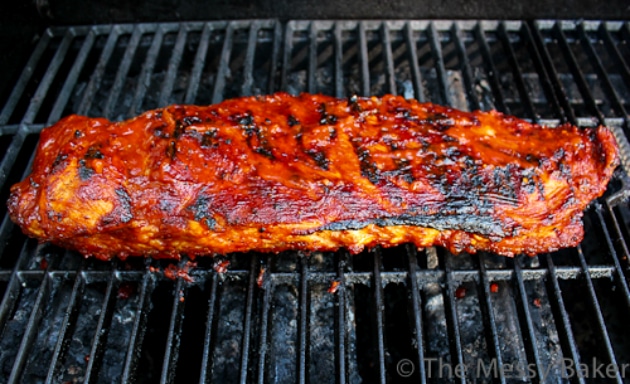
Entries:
{"x":271,"y":318}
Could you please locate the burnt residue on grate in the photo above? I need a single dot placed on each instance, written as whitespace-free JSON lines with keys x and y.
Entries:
{"x":385,"y":315}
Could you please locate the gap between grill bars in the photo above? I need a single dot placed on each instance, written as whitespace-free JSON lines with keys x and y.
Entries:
{"x":386,"y":315}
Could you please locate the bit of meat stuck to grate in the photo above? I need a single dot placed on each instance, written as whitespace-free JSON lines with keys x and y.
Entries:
{"x":273,"y":318}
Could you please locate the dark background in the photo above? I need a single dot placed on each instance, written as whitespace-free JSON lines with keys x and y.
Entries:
{"x":21,"y":22}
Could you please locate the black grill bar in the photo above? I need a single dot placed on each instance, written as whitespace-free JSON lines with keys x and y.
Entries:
{"x":144,"y":78}
{"x":21,"y":84}
{"x":529,"y":336}
{"x":466,"y":71}
{"x":363,"y":52}
{"x":413,"y":59}
{"x":96,"y":350}
{"x":416,"y":304}
{"x":247,"y":321}
{"x":518,"y":73}
{"x":436,"y":50}
{"x":204,"y":377}
{"x":171,"y":350}
{"x":303,"y":321}
{"x":567,"y":338}
{"x":123,"y":69}
{"x":379,"y":307}
{"x":491,"y":70}
{"x":389,"y":60}
{"x":68,"y":319}
{"x":99,"y":71}
{"x":248,"y":75}
{"x":173,"y":65}
{"x":490,"y":318}
{"x":226,"y":51}
{"x":312,"y":58}
{"x":200,"y":60}
{"x":598,"y":313}
{"x":452,"y":318}
{"x":73,"y":75}
{"x":89,"y":70}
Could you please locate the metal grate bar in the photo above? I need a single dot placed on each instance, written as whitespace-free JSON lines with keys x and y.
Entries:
{"x":286,"y":56}
{"x":173,"y":66}
{"x":338,"y":57}
{"x":13,"y":286}
{"x":548,"y":71}
{"x":487,"y":308}
{"x":416,"y":305}
{"x":137,"y":332}
{"x":557,"y":304}
{"x":144,"y":80}
{"x":389,"y":59}
{"x":97,"y":74}
{"x":204,"y":377}
{"x":277,"y":37}
{"x":379,"y":309}
{"x":101,"y":330}
{"x":248,"y":72}
{"x":71,"y":79}
{"x":364,"y":61}
{"x":621,"y":138}
{"x":340,"y":342}
{"x":123,"y":69}
{"x":19,"y":87}
{"x":578,"y":76}
{"x":267,"y":288}
{"x":599,"y":315}
{"x":171,"y":352}
{"x":415,"y":69}
{"x":620,"y":62}
{"x":247,"y":321}
{"x":529,"y":336}
{"x":11,"y":154}
{"x":491,"y":70}
{"x":200,"y":60}
{"x":303,"y":320}
{"x":224,"y":64}
{"x":436,"y":49}
{"x":312,"y":58}
{"x":452,"y":322}
{"x":31,"y":329}
{"x":68,"y":319}
{"x":518,"y":73}
{"x":473,"y":101}
{"x":51,"y":71}
{"x":618,"y":269}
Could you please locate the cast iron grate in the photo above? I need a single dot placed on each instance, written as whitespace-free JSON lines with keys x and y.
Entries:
{"x":67,"y":319}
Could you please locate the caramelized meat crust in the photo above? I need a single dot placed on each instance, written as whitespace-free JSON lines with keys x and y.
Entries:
{"x":311,"y":172}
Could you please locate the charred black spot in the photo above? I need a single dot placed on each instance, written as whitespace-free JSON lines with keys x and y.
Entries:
{"x":532,"y":159}
{"x":190,"y":120}
{"x":85,"y":172}
{"x":158,"y":114}
{"x":292,"y":121}
{"x":159,"y":132}
{"x":247,"y":119}
{"x":125,"y":204}
{"x":264,"y":151}
{"x":332,"y":133}
{"x":179,"y":129}
{"x":201,"y":211}
{"x":208,"y":140}
{"x":325,"y":117}
{"x":93,"y":153}
{"x":78,"y":134}
{"x":319,"y":158}
{"x":58,"y":161}
{"x":171,"y":150}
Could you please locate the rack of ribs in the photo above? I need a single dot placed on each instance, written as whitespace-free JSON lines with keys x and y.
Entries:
{"x":311,"y":172}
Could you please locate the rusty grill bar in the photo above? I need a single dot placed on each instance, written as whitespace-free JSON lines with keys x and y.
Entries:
{"x":271,"y":318}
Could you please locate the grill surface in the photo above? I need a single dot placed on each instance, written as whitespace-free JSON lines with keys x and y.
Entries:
{"x":271,"y":318}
